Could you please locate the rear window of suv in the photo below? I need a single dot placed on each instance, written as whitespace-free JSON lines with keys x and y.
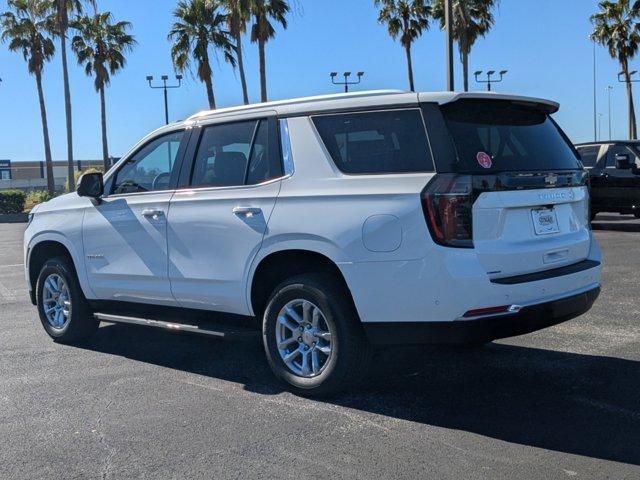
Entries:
{"x":494,"y":136}
{"x":391,"y":141}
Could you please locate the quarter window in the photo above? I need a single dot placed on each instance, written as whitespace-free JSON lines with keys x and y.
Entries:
{"x":393,"y":141}
{"x":150,"y":168}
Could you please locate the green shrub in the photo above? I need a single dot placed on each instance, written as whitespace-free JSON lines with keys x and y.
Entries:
{"x":35,"y":197}
{"x":12,"y":201}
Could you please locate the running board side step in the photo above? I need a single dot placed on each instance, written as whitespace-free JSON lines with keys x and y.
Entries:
{"x":208,"y":328}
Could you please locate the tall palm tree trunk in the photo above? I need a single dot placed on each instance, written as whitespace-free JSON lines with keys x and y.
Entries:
{"x":243,"y":79}
{"x":407,"y":50}
{"x":209,"y":84}
{"x":263,"y":72}
{"x":45,"y":134}
{"x":465,"y":69}
{"x":67,"y":99}
{"x":632,"y":113}
{"x":103,"y":122}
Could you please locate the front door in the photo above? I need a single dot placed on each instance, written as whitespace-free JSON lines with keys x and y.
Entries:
{"x":125,"y":235}
{"x":216,"y":226}
{"x":619,"y":189}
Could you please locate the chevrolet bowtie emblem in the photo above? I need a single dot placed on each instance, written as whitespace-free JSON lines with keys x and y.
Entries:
{"x":551,"y":179}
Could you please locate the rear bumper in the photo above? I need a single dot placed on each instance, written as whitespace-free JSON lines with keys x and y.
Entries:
{"x":528,"y":319}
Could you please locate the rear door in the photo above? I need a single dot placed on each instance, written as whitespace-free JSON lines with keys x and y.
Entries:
{"x":217,"y":222}
{"x":531,"y":207}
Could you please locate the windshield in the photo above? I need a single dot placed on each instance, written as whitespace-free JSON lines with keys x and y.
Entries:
{"x":495,"y":136}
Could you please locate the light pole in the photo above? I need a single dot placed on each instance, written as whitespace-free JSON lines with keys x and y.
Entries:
{"x":448,"y":27}
{"x":164,"y":86}
{"x":346,"y":81}
{"x":609,"y":88}
{"x":490,"y":80}
{"x":599,"y":126}
{"x":595,"y":132}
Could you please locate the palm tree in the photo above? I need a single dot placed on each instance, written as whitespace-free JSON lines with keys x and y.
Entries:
{"x":60,"y":10}
{"x":237,"y":17}
{"x":616,"y":27}
{"x":100,"y":46}
{"x":471,"y":19}
{"x":407,"y":18}
{"x":25,"y":28}
{"x":200,"y":25}
{"x":263,"y":11}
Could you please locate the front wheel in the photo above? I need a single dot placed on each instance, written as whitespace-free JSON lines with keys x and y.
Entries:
{"x":63,"y":309}
{"x":313,"y":337}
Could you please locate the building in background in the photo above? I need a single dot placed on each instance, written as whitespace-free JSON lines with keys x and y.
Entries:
{"x":30,"y":175}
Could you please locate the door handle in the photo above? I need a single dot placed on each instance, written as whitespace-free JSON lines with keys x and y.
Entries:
{"x":246,"y":211}
{"x":153,"y":213}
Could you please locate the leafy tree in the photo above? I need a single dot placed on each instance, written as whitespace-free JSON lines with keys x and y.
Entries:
{"x":100,"y":46}
{"x":471,"y":19}
{"x":263,"y":12}
{"x":616,"y":26}
{"x":406,"y":19}
{"x":26,"y":29}
{"x":200,"y":26}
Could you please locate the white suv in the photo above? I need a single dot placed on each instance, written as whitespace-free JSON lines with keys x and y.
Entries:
{"x":340,"y":222}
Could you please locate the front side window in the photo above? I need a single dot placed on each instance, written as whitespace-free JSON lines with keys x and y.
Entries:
{"x":496,"y":136}
{"x":150,"y":168}
{"x":393,"y":141}
{"x":619,"y":150}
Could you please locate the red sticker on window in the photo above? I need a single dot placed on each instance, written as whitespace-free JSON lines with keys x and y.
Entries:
{"x":484,"y":160}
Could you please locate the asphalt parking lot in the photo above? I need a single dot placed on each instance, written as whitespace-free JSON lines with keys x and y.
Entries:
{"x":563,"y":402}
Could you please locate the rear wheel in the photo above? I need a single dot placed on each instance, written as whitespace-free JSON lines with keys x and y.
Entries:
{"x":63,"y":309}
{"x":313,"y":337}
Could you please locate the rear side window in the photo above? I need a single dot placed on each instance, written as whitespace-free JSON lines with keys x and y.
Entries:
{"x":235,"y":154}
{"x":393,"y":141}
{"x":589,"y":155}
{"x":494,"y":136}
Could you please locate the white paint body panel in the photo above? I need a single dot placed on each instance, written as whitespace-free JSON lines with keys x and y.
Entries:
{"x":202,"y":255}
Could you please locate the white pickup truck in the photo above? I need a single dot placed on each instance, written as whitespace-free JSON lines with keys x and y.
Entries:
{"x":339,"y":222}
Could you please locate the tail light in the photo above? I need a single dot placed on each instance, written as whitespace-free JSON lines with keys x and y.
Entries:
{"x":447,"y":202}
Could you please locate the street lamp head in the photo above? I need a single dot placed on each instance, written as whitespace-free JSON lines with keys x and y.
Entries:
{"x":178,"y":77}
{"x":502,"y":72}
{"x":360,"y":74}
{"x":149,"y":77}
{"x":491,"y":72}
{"x":477,"y":72}
{"x":165,"y":77}
{"x":333,"y":74}
{"x":347,"y":74}
{"x":633,"y":72}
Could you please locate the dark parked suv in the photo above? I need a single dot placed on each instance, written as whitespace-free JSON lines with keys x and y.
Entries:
{"x":614,"y":169}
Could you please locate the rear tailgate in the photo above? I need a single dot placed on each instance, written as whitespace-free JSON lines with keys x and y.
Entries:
{"x":524,"y":231}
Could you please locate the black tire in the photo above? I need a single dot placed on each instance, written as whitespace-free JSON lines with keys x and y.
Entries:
{"x":636,"y":214}
{"x":348,"y":362}
{"x":80,"y":324}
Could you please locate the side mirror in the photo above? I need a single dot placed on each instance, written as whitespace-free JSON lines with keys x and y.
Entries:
{"x":622,"y":161}
{"x":90,"y":185}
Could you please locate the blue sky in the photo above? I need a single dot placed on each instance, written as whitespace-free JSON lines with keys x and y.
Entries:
{"x":543,"y":44}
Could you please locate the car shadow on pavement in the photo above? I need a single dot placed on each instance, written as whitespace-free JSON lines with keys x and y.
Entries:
{"x":568,"y":402}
